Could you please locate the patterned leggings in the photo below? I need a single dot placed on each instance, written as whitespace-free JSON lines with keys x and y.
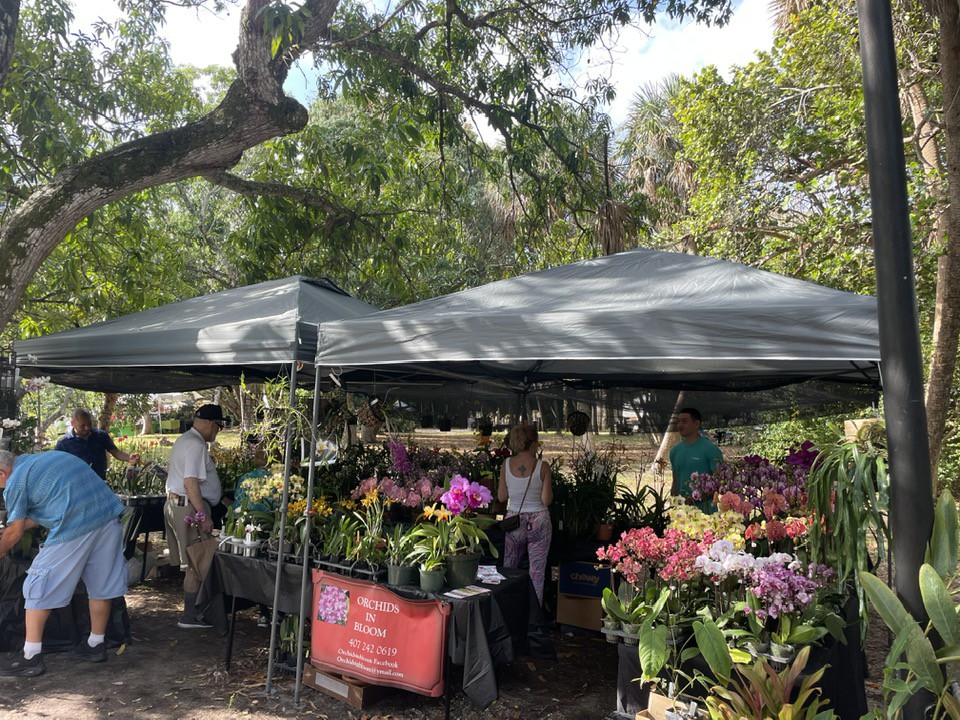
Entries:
{"x":535,"y":542}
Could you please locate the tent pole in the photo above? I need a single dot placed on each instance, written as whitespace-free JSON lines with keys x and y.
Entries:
{"x":284,"y":498}
{"x":304,"y":579}
{"x":911,"y":486}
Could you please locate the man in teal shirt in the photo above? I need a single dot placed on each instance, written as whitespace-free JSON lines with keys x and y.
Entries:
{"x":693,"y":454}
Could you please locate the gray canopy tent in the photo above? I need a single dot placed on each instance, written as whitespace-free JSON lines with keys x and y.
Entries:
{"x":260,"y":330}
{"x":642,"y":322}
{"x":206,"y":341}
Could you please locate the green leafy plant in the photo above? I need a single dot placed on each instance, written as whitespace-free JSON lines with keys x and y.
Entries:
{"x":400,"y":542}
{"x":584,"y":495}
{"x":430,"y":546}
{"x":913,"y":653}
{"x":756,"y":691}
{"x":628,"y":605}
{"x":338,"y":534}
{"x":644,"y":507}
{"x":848,"y":492}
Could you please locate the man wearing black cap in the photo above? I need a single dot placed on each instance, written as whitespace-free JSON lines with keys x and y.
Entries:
{"x":192,"y":488}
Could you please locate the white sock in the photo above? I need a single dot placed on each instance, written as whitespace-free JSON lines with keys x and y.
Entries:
{"x":31,"y":650}
{"x":94,"y":640}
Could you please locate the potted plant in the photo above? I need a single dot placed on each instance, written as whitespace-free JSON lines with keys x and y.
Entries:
{"x":399,"y":544}
{"x":849,"y":485}
{"x":466,"y":533}
{"x":484,"y":426}
{"x":756,"y":691}
{"x":430,"y":552}
{"x":444,"y":423}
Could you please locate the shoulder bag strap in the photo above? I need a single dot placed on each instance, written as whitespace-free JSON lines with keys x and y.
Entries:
{"x":536,"y":464}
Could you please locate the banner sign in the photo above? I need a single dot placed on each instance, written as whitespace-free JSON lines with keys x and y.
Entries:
{"x":366,"y":631}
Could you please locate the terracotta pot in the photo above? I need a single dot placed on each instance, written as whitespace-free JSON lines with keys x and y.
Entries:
{"x":604,"y":532}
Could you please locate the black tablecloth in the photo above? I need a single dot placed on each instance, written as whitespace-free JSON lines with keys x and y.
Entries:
{"x":486,"y":630}
{"x":493,"y":628}
{"x":65,"y":627}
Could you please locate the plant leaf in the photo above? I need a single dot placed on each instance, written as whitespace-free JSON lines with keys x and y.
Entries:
{"x":938,"y":604}
{"x":887,"y":604}
{"x":714,"y":648}
{"x":653,"y":649}
{"x":942,"y":552}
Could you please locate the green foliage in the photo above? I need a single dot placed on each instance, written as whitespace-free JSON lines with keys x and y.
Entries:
{"x":584,"y":495}
{"x":774,"y":440}
{"x":643,"y":507}
{"x":849,"y":485}
{"x":924,"y":664}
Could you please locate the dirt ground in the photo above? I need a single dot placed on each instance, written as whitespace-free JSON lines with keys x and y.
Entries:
{"x":166,"y":672}
{"x":171,"y":673}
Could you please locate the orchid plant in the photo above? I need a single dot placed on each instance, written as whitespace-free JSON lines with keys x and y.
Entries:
{"x":452,"y":525}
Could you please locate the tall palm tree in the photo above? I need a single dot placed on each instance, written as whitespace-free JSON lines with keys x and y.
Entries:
{"x":652,"y":150}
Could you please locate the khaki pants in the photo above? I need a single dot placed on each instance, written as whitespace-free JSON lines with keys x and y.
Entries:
{"x":179,"y":536}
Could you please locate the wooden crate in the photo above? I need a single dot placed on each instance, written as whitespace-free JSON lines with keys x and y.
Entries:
{"x":355,"y":693}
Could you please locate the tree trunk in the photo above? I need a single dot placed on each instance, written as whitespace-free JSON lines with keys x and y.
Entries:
{"x":9,"y":21}
{"x":669,"y":436}
{"x":106,"y":412}
{"x":253,"y":110}
{"x":946,"y":326}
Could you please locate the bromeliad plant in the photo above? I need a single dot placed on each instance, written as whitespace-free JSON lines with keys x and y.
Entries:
{"x":756,"y":691}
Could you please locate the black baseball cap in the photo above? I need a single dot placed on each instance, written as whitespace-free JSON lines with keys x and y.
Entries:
{"x":210,"y":412}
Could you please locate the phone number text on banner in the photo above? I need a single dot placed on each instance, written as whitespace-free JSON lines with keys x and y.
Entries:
{"x":366,"y":631}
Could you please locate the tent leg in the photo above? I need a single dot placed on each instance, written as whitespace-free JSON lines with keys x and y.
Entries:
{"x":284,"y":499}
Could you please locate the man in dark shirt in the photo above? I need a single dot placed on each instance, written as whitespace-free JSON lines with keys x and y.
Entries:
{"x":91,"y":444}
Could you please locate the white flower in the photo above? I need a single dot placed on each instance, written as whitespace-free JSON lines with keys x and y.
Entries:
{"x":9,"y":423}
{"x":35,"y":384}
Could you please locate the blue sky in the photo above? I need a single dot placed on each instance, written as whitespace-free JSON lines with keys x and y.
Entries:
{"x":636,"y":58}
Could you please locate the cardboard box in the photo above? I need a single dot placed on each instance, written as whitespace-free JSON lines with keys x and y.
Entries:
{"x":583,"y":578}
{"x":581,"y":612}
{"x":356,"y":693}
{"x":658,"y":705}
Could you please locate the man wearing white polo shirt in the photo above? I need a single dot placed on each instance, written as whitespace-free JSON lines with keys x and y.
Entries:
{"x":193,"y":488}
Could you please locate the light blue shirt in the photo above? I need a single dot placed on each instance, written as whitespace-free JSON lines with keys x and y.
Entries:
{"x":59,"y":491}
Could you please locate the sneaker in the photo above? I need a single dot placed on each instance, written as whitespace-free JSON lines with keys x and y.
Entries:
{"x":18,"y":666}
{"x":97,"y":654}
{"x":193,"y":623}
{"x":263,"y":621}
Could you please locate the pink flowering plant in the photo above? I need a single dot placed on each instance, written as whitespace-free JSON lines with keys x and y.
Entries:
{"x":195,"y":519}
{"x":773,"y":595}
{"x":454,"y":526}
{"x":414,"y":477}
{"x":757,"y":484}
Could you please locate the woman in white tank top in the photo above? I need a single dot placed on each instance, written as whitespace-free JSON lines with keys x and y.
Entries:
{"x":525,"y":485}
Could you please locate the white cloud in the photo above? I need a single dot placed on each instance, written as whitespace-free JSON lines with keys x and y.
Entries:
{"x":641,"y":58}
{"x":196,"y":37}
